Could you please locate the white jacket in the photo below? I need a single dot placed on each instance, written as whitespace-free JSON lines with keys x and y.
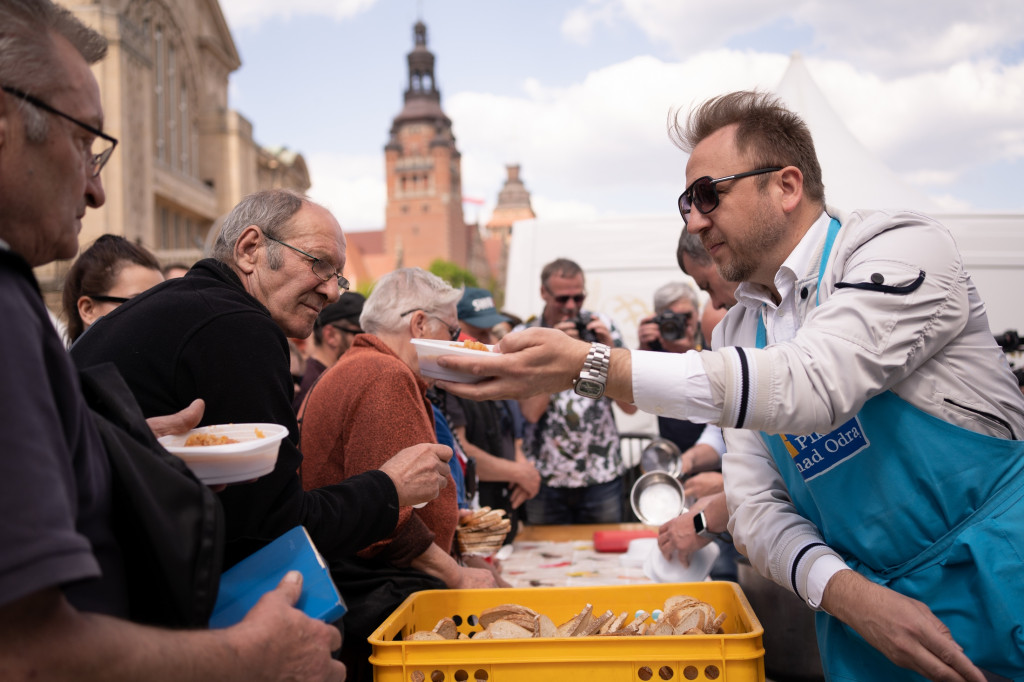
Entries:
{"x":932,"y":347}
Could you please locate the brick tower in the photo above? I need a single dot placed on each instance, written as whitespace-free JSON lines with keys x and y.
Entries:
{"x":424,"y":218}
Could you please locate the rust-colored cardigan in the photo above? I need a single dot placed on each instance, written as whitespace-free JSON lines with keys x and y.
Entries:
{"x":364,"y":409}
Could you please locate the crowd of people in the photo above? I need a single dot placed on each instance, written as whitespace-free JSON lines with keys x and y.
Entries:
{"x":839,"y":354}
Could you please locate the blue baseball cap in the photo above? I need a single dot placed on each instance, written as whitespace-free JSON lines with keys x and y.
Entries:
{"x":477,"y":308}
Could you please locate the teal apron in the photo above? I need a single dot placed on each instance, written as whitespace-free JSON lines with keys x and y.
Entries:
{"x":923,"y":507}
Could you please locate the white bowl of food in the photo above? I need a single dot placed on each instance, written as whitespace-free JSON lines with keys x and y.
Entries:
{"x":228,"y":453}
{"x":429,"y":350}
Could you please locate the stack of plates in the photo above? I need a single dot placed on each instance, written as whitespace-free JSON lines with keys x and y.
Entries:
{"x":484,"y":532}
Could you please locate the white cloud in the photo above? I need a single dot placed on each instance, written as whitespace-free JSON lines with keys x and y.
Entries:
{"x":882,"y":35}
{"x":250,"y":13}
{"x":351,"y":187}
{"x":602,"y":142}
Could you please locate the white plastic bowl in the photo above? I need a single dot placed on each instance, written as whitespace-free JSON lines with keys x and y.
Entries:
{"x":429,"y":350}
{"x":249,"y":458}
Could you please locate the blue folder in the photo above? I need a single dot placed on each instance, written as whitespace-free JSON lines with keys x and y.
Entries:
{"x":242,"y":585}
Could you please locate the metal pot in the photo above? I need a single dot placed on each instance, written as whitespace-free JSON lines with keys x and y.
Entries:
{"x":657,"y":497}
{"x":661,"y":454}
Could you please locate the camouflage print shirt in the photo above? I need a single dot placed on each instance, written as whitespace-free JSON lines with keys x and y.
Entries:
{"x":576,"y":443}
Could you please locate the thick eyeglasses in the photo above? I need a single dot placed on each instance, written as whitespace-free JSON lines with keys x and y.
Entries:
{"x":321,"y":268}
{"x":703,"y":195}
{"x":97,"y":159}
{"x":453,"y":332}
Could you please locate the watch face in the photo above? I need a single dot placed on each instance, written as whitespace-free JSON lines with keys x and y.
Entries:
{"x":589,"y":388}
{"x":698,"y":524}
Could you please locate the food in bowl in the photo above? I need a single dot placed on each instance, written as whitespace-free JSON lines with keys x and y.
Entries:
{"x":228,"y":453}
{"x":473,"y":345}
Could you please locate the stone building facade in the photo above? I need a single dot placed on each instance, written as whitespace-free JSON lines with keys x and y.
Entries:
{"x":184,"y":157}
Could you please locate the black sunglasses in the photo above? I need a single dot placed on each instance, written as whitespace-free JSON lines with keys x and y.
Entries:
{"x":96,"y":159}
{"x":562,"y":300}
{"x":350,"y":330}
{"x":703,"y":195}
{"x":108,"y":299}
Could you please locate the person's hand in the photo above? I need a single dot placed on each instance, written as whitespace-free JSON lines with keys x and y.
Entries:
{"x":600,"y":330}
{"x":517,"y":495}
{"x":280,"y":642}
{"x":419,"y":472}
{"x":474,"y":578}
{"x":476,"y":561}
{"x":903,"y":629}
{"x":649,"y":334}
{"x":527,"y":477}
{"x":527,"y":363}
{"x":703,"y":484}
{"x":679,"y":537}
{"x":179,"y":422}
{"x":567,"y":327}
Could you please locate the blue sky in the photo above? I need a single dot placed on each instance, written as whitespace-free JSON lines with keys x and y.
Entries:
{"x":577,"y":91}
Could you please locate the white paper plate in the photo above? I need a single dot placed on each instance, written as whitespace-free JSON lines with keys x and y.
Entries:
{"x":251,"y":457}
{"x":661,"y":570}
{"x":429,"y":350}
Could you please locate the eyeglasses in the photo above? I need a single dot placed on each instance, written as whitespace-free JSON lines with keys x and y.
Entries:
{"x":702,"y":194}
{"x":108,"y":299}
{"x":321,"y":268}
{"x":347,"y":329}
{"x":562,"y":300}
{"x":96,"y":159}
{"x":453,"y":332}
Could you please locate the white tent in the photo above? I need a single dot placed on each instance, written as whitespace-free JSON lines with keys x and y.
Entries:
{"x":853,"y":176}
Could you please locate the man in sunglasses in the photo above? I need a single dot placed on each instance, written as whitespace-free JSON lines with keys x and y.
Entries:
{"x":335,"y":328}
{"x":572,"y":439}
{"x":874,"y":463}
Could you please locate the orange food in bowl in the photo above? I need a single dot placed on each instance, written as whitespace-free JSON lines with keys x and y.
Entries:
{"x":207,"y":439}
{"x":473,"y":345}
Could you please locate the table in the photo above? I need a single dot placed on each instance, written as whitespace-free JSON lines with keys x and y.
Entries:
{"x":564,"y":556}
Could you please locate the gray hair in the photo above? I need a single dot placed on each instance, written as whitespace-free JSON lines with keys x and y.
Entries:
{"x":402,"y":290}
{"x":563,"y":267}
{"x":271,"y":210}
{"x":667,"y":294}
{"x":690,"y":245}
{"x":28,"y":58}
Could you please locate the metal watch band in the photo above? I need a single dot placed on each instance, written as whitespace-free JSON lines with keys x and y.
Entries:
{"x":596,"y":365}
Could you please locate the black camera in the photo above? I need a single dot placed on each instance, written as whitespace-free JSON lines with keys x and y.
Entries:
{"x":1010,"y":341}
{"x":581,"y":322}
{"x":672,"y":325}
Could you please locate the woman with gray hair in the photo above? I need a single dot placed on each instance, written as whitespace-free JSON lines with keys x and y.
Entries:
{"x":369,"y":405}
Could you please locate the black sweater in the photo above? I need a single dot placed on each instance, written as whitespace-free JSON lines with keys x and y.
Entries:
{"x":203,"y":336}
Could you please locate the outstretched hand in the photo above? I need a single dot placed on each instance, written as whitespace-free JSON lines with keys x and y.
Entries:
{"x":527,"y":363}
{"x":903,"y":629}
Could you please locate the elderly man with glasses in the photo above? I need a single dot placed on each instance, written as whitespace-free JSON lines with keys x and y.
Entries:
{"x":70,"y":582}
{"x":874,"y":460}
{"x":221,"y":333}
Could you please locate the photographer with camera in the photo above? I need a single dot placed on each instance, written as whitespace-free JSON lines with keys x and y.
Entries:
{"x":570,"y":437}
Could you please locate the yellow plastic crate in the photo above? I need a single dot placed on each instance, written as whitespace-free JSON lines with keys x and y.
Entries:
{"x":737,"y":655}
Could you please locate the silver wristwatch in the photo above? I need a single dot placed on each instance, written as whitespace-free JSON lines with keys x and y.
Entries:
{"x":594,"y":375}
